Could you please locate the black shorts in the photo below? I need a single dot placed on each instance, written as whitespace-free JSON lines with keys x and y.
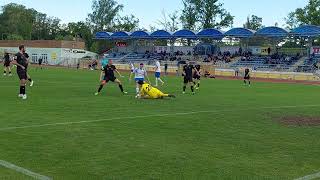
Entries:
{"x":22,"y":74}
{"x":40,"y":62}
{"x":108,"y":78}
{"x":246,"y":77}
{"x":6,"y":64}
{"x":187,"y":79}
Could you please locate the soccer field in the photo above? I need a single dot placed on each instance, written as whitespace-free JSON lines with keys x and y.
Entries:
{"x":225,"y":131}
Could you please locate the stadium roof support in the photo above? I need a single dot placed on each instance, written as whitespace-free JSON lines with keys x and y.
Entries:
{"x":306,"y":31}
{"x":120,"y":35}
{"x":211,"y":34}
{"x":103,"y":35}
{"x":161,"y":34}
{"x":272,"y":32}
{"x":140,"y":35}
{"x":185,"y":34}
{"x":240,"y":33}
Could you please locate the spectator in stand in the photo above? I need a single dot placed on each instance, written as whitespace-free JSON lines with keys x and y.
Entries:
{"x":166,"y":68}
{"x":269,"y":51}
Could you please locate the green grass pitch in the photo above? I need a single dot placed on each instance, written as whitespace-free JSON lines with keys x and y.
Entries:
{"x":225,"y":131}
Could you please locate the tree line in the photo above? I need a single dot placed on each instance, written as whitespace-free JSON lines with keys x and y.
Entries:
{"x":18,"y":22}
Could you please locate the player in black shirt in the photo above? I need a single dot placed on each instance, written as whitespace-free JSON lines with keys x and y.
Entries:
{"x":28,"y":75}
{"x":6,"y":64}
{"x":21,"y":62}
{"x":197,"y":76}
{"x":246,"y":78}
{"x":188,"y":70}
{"x":108,"y":75}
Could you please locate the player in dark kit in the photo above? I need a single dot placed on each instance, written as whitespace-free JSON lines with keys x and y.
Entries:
{"x":28,"y":76}
{"x":188,"y":70}
{"x":108,"y":75}
{"x":6,"y":64}
{"x":197,"y":76}
{"x":21,"y":62}
{"x":246,"y":78}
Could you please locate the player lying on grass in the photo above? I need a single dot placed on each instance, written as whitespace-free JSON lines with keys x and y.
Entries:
{"x":149,"y":92}
{"x":107,"y":75}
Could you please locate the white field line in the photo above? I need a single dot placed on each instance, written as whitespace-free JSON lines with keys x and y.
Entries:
{"x":152,"y":115}
{"x":23,"y":171}
{"x":310,"y":177}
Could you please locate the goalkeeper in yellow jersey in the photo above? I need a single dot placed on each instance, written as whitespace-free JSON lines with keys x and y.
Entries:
{"x":149,"y":92}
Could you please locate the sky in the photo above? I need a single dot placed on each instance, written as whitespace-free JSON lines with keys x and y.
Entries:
{"x":149,"y":11}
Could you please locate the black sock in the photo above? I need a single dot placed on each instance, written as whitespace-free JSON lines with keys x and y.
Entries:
{"x":245,"y":81}
{"x":184,"y":88}
{"x":21,"y":91}
{"x":249,"y":82}
{"x":30,"y":80}
{"x":198,"y":84}
{"x":100,"y":88}
{"x":23,"y":88}
{"x":192,"y":89}
{"x":4,"y":72}
{"x":9,"y":72}
{"x":121,"y":88}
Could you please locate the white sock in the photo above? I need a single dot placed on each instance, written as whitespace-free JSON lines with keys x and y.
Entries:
{"x":156,"y":81}
{"x":161,"y":80}
{"x":137,"y":90}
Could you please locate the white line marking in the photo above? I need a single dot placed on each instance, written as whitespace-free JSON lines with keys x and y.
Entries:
{"x":152,"y":115}
{"x":23,"y":171}
{"x":310,"y":177}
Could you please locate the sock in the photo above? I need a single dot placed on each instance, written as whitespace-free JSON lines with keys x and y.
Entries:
{"x":184,"y":88}
{"x":192,"y":88}
{"x":157,"y":81}
{"x":100,"y":88}
{"x":249,"y":82}
{"x":245,"y":82}
{"x":9,"y":72}
{"x":21,"y":91}
{"x":161,"y":80}
{"x":137,"y":90}
{"x":198,"y":85}
{"x":23,"y":88}
{"x":121,"y":88}
{"x":4,"y":72}
{"x":30,"y":80}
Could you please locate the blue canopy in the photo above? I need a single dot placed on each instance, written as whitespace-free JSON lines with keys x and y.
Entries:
{"x":306,"y":31}
{"x":272,"y":32}
{"x":210,"y":33}
{"x":161,"y":34}
{"x":184,"y":33}
{"x":240,"y":33}
{"x":140,"y":35}
{"x":120,"y":35}
{"x":103,"y":35}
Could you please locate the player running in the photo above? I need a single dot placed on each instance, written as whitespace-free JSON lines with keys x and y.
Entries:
{"x":246,"y":78}
{"x":108,"y":75}
{"x":188,"y":70}
{"x":140,"y":75}
{"x":21,"y":62}
{"x":6,"y":64}
{"x":28,"y":75}
{"x":157,"y":73}
{"x":149,"y":92}
{"x":197,"y":76}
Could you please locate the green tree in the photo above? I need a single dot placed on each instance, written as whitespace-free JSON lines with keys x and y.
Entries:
{"x":254,"y":23}
{"x":169,"y":22}
{"x":310,"y":14}
{"x":126,"y":23}
{"x":104,"y":14}
{"x":189,"y":14}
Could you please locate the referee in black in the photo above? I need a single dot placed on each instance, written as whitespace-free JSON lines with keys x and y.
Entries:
{"x":187,"y":74}
{"x":6,"y":64}
{"x":21,"y":62}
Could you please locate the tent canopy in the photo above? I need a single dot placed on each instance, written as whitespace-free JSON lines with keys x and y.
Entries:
{"x":161,"y":34}
{"x":240,"y":33}
{"x":140,"y":35}
{"x":272,"y":32}
{"x":184,"y":33}
{"x":210,"y":33}
{"x":306,"y":31}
